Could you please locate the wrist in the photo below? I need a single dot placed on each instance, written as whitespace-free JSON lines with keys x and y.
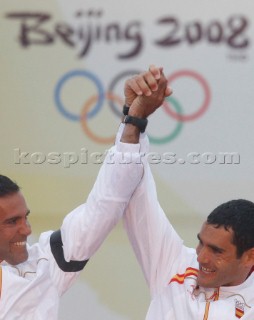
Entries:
{"x":140,"y":123}
{"x":131,"y":112}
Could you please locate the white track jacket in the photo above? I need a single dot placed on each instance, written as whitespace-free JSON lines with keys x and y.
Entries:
{"x":170,"y":268}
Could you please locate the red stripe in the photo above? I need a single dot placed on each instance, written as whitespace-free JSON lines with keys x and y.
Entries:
{"x":239,"y":313}
{"x":181,"y":277}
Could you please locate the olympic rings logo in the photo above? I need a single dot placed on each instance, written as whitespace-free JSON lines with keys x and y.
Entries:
{"x":94,"y":104}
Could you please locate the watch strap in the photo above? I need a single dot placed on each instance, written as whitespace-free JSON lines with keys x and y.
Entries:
{"x":125,"y":110}
{"x":138,"y":122}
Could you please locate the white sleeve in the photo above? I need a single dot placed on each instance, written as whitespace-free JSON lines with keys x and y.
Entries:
{"x":156,"y":244}
{"x":85,"y":228}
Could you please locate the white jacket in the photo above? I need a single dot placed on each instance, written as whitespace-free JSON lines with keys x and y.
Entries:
{"x":170,"y":268}
{"x":31,"y":290}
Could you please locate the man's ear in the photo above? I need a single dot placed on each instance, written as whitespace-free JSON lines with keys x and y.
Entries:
{"x":249,"y":258}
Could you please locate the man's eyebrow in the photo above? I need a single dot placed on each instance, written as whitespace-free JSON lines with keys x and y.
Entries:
{"x":17,"y":216}
{"x":213,"y":247}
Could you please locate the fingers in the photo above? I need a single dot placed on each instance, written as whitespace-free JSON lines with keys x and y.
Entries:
{"x":151,"y":84}
{"x":156,"y":71}
{"x":147,"y":82}
{"x":143,"y":84}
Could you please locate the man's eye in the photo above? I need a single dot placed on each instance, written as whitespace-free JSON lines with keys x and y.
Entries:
{"x":12,"y":221}
{"x":215,"y":250}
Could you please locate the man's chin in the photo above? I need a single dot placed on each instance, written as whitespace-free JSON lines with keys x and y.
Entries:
{"x":17,"y":260}
{"x":205,"y":283}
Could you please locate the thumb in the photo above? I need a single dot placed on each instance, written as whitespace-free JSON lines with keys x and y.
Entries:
{"x":168,"y":92}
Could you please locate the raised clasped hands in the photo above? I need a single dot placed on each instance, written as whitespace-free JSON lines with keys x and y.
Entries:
{"x":144,"y":93}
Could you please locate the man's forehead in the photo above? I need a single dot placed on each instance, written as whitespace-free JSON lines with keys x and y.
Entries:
{"x":14,"y":202}
{"x":215,"y":233}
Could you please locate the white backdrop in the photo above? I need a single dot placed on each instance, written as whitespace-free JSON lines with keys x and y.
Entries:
{"x":63,"y":59}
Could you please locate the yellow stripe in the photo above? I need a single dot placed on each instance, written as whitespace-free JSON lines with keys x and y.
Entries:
{"x":206,"y":311}
{"x":181,"y":277}
{"x":217,"y":295}
{"x":239,"y":313}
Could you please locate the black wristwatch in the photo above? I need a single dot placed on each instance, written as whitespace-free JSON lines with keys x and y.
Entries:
{"x":138,"y":122}
{"x":125,"y":110}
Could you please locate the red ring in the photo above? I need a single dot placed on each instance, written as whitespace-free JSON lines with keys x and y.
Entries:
{"x":204,"y":105}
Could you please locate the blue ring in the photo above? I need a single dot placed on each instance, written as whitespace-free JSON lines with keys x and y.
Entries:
{"x":81,"y":73}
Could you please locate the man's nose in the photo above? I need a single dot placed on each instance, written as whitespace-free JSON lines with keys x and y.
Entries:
{"x":203,"y":256}
{"x":25,"y":228}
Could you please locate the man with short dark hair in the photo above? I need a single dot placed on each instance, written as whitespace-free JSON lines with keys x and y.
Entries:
{"x":213,"y":282}
{"x":33,"y":278}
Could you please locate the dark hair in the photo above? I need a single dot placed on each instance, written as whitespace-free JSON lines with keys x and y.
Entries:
{"x":7,"y":186}
{"x":239,"y":216}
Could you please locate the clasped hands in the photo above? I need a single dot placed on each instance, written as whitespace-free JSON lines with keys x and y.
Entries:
{"x":144,"y":93}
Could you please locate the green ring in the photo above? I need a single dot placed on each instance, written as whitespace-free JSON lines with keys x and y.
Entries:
{"x":177,"y":129}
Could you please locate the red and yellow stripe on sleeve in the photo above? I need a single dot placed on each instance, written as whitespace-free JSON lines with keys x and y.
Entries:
{"x":181,"y":277}
{"x":239,"y":313}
